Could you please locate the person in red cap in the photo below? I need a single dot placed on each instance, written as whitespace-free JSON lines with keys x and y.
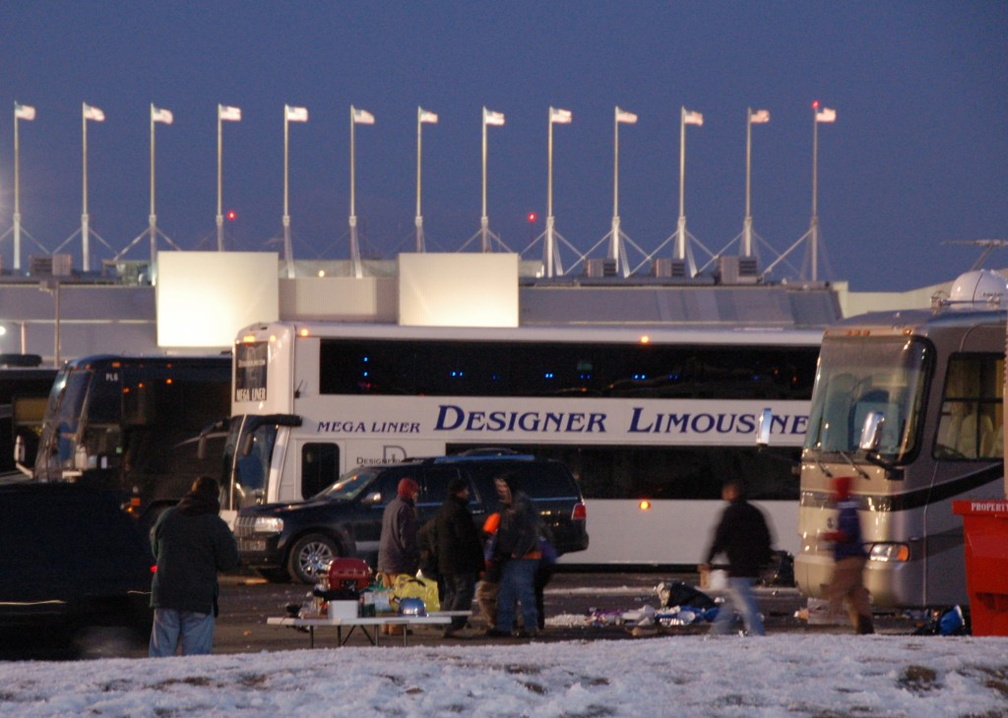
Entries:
{"x":398,"y":549}
{"x":849,"y":559}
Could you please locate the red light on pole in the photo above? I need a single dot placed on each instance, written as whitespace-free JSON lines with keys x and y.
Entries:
{"x":531,"y":217}
{"x":815,"y":105}
{"x":232,"y":215}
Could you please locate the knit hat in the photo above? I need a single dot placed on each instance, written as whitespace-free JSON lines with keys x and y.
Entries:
{"x":408,"y":487}
{"x":457,"y":484}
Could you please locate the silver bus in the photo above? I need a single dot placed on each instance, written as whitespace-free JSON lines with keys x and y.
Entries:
{"x":909,"y":404}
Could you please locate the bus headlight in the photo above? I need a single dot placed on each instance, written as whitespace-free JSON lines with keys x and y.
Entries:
{"x":889,"y":552}
{"x":267,"y":525}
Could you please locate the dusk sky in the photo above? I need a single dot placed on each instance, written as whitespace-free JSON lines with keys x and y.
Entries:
{"x":917,"y":157}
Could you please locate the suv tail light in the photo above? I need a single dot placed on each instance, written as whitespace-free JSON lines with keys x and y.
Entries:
{"x":580,"y":513}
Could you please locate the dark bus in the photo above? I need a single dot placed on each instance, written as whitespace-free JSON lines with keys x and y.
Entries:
{"x":139,"y":426}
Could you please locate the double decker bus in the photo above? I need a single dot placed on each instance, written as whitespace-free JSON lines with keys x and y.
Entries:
{"x":910,"y":405}
{"x":651,"y":422}
{"x":136,"y":425}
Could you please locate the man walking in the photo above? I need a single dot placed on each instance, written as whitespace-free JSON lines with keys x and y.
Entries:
{"x":849,"y":559}
{"x":459,"y":553}
{"x":191,"y":545}
{"x":742,"y":535}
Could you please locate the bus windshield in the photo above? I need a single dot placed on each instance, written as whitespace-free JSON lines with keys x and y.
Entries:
{"x":858,"y":375}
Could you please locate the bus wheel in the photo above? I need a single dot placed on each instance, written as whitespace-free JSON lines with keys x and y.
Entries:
{"x":310,"y":557}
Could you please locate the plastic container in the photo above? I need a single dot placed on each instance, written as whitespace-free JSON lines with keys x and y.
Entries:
{"x":985,"y":532}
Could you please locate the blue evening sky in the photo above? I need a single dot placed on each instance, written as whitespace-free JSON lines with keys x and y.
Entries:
{"x":916,"y":158}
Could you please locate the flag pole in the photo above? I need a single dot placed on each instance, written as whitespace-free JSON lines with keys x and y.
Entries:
{"x":484,"y":220}
{"x":220,"y":209}
{"x":549,"y":199}
{"x":355,"y":259}
{"x":85,"y":249}
{"x":17,"y":195}
{"x":814,"y":229}
{"x":681,"y":229}
{"x":747,"y":222}
{"x":419,"y":154}
{"x":614,"y":236}
{"x":152,"y":218}
{"x":285,"y":220}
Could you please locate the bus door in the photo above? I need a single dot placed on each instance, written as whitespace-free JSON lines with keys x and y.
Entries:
{"x":968,"y":443}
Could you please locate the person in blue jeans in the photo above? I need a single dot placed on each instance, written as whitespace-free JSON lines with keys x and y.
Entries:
{"x":743,"y":536}
{"x":517,"y":549}
{"x":191,"y":544}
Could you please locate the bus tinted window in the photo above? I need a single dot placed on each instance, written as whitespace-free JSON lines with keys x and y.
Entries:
{"x":971,"y":414}
{"x":319,"y":467}
{"x":564,"y":369}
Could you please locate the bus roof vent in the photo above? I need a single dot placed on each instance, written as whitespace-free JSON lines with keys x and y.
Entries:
{"x":983,"y":286}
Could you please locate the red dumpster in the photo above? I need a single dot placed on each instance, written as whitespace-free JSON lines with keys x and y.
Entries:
{"x":985,"y":524}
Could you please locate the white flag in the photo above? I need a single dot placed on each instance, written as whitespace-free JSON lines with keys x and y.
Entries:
{"x":562,"y":117}
{"x":626,"y":117}
{"x":24,"y":112}
{"x":159,"y":114}
{"x":362,"y":117}
{"x":93,"y":113}
{"x":428,"y":116}
{"x":692,"y":118}
{"x":825,"y":115}
{"x":492,"y":118}
{"x":228,"y":113}
{"x":296,"y":114}
{"x":759,"y":117}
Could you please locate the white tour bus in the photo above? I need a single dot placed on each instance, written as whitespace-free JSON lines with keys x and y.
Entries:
{"x":909,"y":404}
{"x":651,"y":421}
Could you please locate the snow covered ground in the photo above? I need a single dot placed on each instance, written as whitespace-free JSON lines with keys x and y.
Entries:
{"x":781,"y":675}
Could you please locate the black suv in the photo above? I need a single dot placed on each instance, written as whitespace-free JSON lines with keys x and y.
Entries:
{"x":284,"y":541}
{"x":72,"y":561}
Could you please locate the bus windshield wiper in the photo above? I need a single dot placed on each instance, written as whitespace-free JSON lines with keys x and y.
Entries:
{"x":861,"y":472}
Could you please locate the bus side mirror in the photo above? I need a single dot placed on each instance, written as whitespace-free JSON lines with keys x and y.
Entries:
{"x":763,"y":427}
{"x":871,"y":432}
{"x":245,"y":447}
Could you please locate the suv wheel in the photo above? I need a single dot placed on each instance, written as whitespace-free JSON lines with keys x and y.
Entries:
{"x":310,"y":557}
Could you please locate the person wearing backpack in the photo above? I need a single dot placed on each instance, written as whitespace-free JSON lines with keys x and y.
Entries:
{"x":743,"y":536}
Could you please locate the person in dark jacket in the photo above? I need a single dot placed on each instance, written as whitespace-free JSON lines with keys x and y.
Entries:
{"x":459,"y":553}
{"x":849,"y":559}
{"x":191,"y":544}
{"x":398,"y":548}
{"x":743,"y":536}
{"x":517,"y":549}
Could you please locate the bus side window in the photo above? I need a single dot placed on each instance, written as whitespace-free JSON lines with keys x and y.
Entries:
{"x":319,"y":467}
{"x":972,"y":416}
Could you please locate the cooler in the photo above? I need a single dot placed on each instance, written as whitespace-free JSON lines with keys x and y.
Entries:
{"x":985,"y":524}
